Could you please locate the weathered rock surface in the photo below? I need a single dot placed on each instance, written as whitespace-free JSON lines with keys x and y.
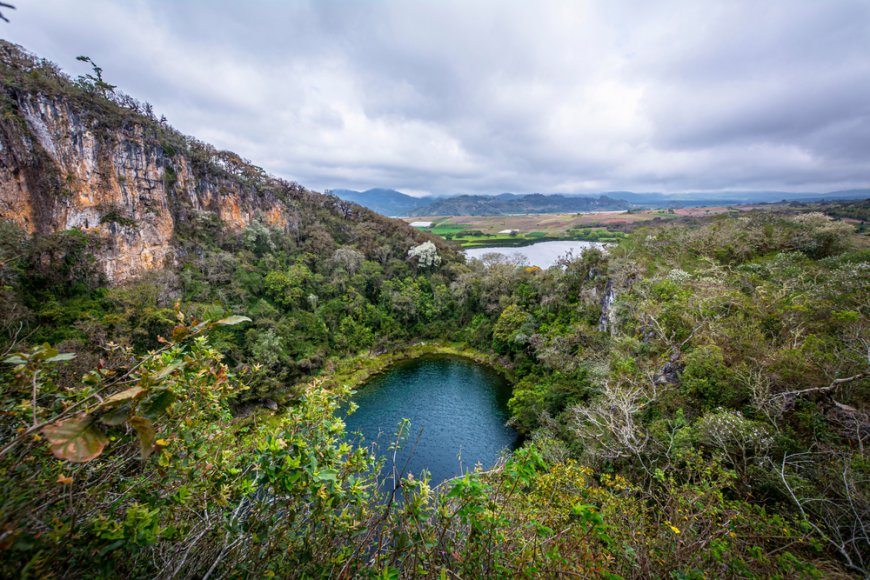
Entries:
{"x":70,"y":158}
{"x":60,"y":170}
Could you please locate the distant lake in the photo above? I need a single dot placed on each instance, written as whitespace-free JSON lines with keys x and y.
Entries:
{"x":542,"y":254}
{"x":457,"y":409}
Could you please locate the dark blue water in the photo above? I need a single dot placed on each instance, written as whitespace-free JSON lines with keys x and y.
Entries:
{"x":457,"y":409}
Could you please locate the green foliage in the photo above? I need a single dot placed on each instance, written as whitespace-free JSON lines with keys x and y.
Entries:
{"x":176,"y":400}
{"x":288,"y":288}
{"x":717,"y":363}
{"x":536,"y":397}
{"x":114,"y":215}
{"x":94,"y":82}
{"x":170,"y":176}
{"x":63,"y":263}
{"x":707,"y":378}
{"x":513,"y":329}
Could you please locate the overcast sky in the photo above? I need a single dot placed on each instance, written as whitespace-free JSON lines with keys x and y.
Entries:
{"x":477,"y":96}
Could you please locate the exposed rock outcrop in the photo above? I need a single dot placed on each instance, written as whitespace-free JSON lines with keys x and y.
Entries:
{"x":606,"y":320}
{"x":73,"y":157}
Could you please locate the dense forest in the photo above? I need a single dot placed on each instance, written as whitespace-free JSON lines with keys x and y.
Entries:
{"x":694,"y":400}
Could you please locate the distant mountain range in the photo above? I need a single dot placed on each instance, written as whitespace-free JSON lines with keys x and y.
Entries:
{"x":388,"y":202}
{"x":531,"y":203}
{"x":689,"y":199}
{"x":394,"y":203}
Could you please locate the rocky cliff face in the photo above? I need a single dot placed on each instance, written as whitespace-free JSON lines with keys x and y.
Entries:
{"x":114,"y":188}
{"x":71,"y":157}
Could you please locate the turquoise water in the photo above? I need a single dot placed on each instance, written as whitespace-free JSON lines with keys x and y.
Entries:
{"x":457,"y":411}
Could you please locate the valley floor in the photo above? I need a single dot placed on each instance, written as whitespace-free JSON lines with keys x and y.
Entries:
{"x":518,"y":230}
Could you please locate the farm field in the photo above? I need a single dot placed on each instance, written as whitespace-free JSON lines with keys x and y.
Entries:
{"x":520,"y":230}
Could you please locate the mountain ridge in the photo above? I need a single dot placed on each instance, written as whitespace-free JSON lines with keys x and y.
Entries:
{"x":394,"y":203}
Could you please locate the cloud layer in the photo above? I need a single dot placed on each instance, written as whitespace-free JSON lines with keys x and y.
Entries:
{"x":490,"y":96}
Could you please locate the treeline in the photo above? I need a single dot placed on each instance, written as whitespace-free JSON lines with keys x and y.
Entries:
{"x":695,"y":401}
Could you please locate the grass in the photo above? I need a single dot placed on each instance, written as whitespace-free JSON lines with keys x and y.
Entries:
{"x":357,"y":370}
{"x":445,"y":228}
{"x":482,"y":231}
{"x":504,"y":241}
{"x":597,"y":235}
{"x":520,"y":240}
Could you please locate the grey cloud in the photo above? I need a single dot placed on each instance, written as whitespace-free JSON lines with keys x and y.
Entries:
{"x":490,"y":96}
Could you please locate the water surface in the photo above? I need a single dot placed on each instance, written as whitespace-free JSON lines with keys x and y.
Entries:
{"x":542,"y":254}
{"x":457,"y":410}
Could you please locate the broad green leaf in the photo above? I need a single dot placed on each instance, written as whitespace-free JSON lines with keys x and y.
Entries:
{"x":327,"y":475}
{"x":169,"y":370}
{"x":76,"y":439}
{"x":233,"y":320}
{"x":15,"y":360}
{"x":156,"y":403}
{"x":115,"y":417}
{"x":130,"y":393}
{"x":145,"y":429}
{"x":61,"y":357}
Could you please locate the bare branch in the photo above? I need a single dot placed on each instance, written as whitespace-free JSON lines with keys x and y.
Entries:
{"x":839,"y":504}
{"x":790,"y":396}
{"x":4,"y":5}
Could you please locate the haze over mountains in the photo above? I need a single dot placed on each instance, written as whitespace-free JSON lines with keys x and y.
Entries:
{"x":394,"y":203}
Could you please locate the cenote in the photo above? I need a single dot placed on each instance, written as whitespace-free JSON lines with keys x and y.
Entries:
{"x":457,"y":410}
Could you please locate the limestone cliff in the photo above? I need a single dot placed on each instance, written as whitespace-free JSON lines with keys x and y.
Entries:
{"x":72,"y":156}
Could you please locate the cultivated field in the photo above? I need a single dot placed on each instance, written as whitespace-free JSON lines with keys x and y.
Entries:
{"x":600,"y":226}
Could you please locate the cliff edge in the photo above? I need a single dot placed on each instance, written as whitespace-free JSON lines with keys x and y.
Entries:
{"x":75,"y":154}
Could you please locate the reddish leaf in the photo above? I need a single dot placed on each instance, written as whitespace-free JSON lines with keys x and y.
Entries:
{"x":76,"y":439}
{"x":179,"y":332}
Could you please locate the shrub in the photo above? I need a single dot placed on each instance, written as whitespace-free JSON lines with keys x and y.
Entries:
{"x":707,"y":378}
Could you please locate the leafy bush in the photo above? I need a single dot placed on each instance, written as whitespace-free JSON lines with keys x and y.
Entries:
{"x":707,"y":378}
